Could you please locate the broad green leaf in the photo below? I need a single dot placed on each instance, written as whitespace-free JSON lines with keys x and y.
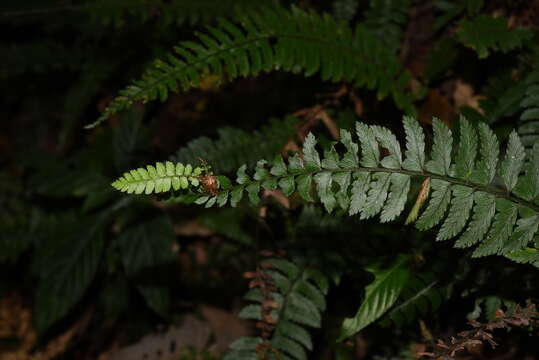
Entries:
{"x":146,"y":253}
{"x":72,"y":266}
{"x":380,"y":295}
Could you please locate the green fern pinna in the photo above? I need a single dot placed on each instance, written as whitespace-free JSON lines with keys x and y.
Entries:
{"x":498,"y":215}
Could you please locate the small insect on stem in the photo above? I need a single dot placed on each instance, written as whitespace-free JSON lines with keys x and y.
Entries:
{"x":210,"y":184}
{"x":209,"y":181}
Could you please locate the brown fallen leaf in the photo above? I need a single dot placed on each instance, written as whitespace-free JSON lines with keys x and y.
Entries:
{"x":464,"y":95}
{"x":435,"y":105}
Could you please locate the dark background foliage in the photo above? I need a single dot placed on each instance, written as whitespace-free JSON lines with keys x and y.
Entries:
{"x":86,"y":271}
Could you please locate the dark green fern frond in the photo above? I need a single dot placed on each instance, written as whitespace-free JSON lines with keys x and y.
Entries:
{"x":485,"y":34}
{"x":288,"y":298}
{"x":387,"y":19}
{"x":236,"y":147}
{"x":464,"y":199}
{"x":274,"y":39}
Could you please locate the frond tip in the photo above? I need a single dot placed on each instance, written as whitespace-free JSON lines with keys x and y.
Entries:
{"x":160,"y":178}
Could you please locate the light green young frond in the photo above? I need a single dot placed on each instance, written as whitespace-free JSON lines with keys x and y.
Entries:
{"x":160,"y":178}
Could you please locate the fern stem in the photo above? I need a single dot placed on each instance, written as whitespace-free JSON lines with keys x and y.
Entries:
{"x":500,"y":193}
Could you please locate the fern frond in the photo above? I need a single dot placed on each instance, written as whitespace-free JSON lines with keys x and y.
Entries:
{"x":274,"y":39}
{"x":291,"y":300}
{"x":236,"y":147}
{"x":485,"y":34}
{"x":499,"y":218}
